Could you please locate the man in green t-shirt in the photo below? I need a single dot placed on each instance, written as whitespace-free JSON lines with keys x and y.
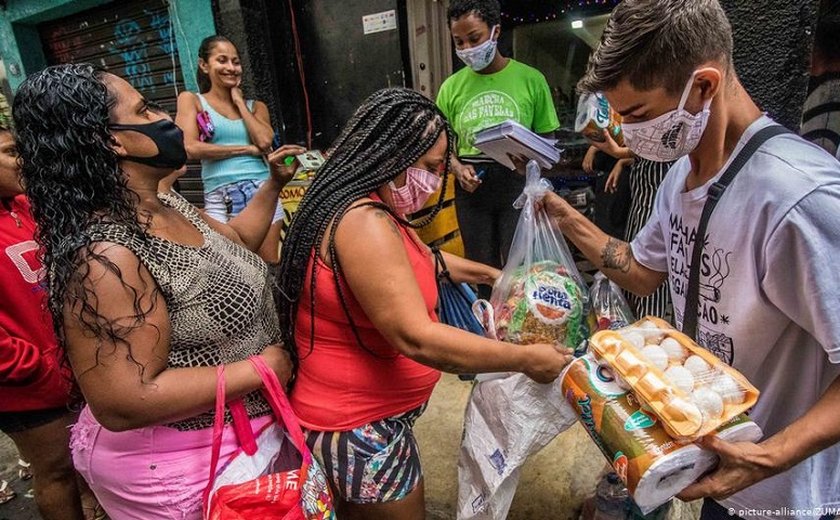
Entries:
{"x":489,"y":90}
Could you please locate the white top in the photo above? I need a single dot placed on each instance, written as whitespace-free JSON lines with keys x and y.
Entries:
{"x":769,"y":291}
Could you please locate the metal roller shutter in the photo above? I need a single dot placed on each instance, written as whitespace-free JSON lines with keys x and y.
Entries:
{"x":134,"y":40}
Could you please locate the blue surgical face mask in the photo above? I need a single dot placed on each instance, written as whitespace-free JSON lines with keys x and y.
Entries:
{"x":481,"y":56}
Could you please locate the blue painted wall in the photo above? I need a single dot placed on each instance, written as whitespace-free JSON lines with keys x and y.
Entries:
{"x":21,"y":48}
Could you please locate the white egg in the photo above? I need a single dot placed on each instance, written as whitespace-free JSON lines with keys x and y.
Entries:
{"x":681,"y":378}
{"x":634,"y":338}
{"x":709,"y":402}
{"x":656,"y":356}
{"x":698,"y":366}
{"x":651,"y":332}
{"x":729,"y":389}
{"x":675,"y":351}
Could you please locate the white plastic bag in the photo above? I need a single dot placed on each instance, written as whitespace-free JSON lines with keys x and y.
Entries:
{"x":507,"y":420}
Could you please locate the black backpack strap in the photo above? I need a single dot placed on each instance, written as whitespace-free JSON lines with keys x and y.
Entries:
{"x":716,"y":190}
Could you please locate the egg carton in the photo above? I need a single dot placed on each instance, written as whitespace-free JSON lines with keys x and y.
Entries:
{"x":686,"y":386}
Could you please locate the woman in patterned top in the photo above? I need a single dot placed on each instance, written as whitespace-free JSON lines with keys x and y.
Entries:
{"x":148,"y":296}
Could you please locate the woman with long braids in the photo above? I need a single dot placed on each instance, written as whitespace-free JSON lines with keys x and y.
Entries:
{"x":148,"y":297}
{"x":356,"y":293}
{"x":230,"y":135}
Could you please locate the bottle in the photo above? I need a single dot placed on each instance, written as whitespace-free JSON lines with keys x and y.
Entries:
{"x":611,"y":498}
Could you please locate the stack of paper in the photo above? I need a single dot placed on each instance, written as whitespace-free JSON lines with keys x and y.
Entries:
{"x":509,"y":139}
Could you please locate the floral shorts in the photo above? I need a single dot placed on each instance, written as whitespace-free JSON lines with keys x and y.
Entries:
{"x":374,"y":463}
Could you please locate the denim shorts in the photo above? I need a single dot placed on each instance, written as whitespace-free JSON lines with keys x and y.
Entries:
{"x":226,"y":202}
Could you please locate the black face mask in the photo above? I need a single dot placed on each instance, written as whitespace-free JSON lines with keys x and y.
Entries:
{"x":169,"y":140}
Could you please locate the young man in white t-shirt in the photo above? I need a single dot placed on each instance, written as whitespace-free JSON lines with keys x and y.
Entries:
{"x":769,"y":290}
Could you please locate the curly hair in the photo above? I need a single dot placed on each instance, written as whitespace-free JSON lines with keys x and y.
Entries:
{"x":488,"y":10}
{"x":391,"y":130}
{"x":73,"y":179}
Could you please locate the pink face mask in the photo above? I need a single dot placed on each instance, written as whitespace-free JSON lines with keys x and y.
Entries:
{"x":419,"y":186}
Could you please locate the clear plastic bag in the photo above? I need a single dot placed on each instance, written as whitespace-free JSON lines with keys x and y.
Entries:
{"x":610,"y":309}
{"x":540,"y":297}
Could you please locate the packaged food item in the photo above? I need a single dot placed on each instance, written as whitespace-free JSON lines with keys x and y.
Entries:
{"x":540,"y":297}
{"x":609,"y":307}
{"x":685,"y":385}
{"x":654,"y":466}
{"x":544,"y":305}
{"x":594,"y":115}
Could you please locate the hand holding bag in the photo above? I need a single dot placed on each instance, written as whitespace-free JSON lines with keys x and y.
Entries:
{"x":260,"y":485}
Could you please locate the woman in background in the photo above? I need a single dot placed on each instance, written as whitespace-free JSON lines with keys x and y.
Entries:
{"x":230,"y":135}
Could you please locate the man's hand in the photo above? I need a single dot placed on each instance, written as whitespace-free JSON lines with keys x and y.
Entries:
{"x":741,"y":465}
{"x":465,"y":173}
{"x":556,"y":207}
{"x":280,"y":170}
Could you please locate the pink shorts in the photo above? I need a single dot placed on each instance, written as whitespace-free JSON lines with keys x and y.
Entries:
{"x":148,"y":473}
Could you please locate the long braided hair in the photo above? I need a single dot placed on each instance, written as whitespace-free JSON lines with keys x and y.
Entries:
{"x":74,"y":181}
{"x":391,"y":130}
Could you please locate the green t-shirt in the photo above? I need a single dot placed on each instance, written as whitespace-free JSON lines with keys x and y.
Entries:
{"x":473,"y":101}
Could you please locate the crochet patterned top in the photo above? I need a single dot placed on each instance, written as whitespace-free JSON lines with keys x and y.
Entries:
{"x":218,"y":297}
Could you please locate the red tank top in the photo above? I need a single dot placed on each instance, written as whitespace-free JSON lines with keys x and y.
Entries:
{"x":341,"y":386}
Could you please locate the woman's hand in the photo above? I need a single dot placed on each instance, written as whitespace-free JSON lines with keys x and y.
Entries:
{"x":238,"y":97}
{"x":615,"y":174}
{"x":280,"y":170}
{"x":611,"y":148}
{"x":465,"y":173}
{"x":545,"y":362}
{"x":589,"y":160}
{"x":278,"y":360}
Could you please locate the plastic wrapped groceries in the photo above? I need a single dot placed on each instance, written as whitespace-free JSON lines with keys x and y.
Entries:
{"x":691,"y":391}
{"x":654,"y":466}
{"x":610,"y":309}
{"x":540,"y":297}
{"x":594,"y":115}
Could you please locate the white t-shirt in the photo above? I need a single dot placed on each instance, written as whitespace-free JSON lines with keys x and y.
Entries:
{"x":769,"y":291}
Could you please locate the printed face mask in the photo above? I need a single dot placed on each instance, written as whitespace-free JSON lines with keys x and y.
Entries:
{"x":671,"y":135}
{"x":169,"y":140}
{"x":419,"y":186}
{"x":479,"y":57}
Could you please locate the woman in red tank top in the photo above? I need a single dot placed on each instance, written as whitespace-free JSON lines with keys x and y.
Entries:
{"x":357,"y":296}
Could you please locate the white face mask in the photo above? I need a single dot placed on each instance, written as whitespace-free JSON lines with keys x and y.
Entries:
{"x":671,"y":135}
{"x":481,"y":56}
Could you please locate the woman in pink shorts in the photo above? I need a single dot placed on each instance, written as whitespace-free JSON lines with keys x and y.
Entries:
{"x":149,"y":297}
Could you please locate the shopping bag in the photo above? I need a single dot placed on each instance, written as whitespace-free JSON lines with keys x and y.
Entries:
{"x":540,"y":297}
{"x":280,"y":480}
{"x":507,"y":420}
{"x":455,"y":300}
{"x":609,"y":307}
